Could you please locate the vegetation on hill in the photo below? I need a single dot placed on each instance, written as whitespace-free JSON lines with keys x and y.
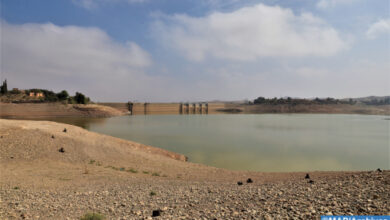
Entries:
{"x":372,"y":100}
{"x":376,"y":100}
{"x":295,"y":101}
{"x":63,"y":96}
{"x":40,"y":95}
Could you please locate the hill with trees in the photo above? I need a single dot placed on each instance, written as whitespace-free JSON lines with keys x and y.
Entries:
{"x":39,"y":96}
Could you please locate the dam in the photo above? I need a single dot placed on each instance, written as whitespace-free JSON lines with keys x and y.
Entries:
{"x":145,"y":108}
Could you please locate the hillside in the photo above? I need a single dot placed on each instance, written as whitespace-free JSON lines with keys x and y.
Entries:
{"x":318,"y":108}
{"x":37,"y":110}
{"x":373,"y":100}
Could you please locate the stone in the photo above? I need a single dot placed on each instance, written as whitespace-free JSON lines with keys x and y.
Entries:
{"x":156,"y":213}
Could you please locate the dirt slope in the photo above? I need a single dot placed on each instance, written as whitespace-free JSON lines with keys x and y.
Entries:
{"x":35,"y":110}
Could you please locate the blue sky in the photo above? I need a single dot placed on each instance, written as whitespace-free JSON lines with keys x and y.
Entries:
{"x":182,"y":50}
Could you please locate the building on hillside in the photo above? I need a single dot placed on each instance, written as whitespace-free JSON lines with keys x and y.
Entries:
{"x":36,"y":94}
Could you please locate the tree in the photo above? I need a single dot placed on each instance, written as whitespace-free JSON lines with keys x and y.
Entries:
{"x":259,"y":100}
{"x":63,"y":95}
{"x":4,"y":87}
{"x":80,"y":98}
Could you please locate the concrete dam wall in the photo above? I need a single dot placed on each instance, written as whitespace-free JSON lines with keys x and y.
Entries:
{"x":169,"y":108}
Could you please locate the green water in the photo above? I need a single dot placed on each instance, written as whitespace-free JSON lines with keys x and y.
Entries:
{"x":261,"y":142}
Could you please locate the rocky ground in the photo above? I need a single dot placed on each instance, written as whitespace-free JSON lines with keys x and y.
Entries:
{"x":125,"y":180}
{"x":364,"y":193}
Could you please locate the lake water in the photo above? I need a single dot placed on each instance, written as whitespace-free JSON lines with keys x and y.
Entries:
{"x":260,"y":142}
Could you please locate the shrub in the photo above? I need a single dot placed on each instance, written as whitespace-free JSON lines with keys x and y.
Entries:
{"x":93,"y":216}
{"x":15,"y":91}
{"x":131,"y":170}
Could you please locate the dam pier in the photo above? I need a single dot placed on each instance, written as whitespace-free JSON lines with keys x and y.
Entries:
{"x":186,"y":108}
{"x":168,"y":108}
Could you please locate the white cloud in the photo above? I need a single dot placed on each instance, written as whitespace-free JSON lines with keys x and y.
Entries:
{"x":71,"y":57}
{"x":325,"y":4}
{"x":92,"y":4}
{"x":380,"y":27}
{"x":311,"y":72}
{"x":249,"y":33}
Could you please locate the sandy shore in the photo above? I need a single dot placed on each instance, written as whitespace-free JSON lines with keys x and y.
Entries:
{"x":127,"y":180}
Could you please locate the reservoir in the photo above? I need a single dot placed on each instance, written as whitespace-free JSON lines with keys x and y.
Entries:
{"x":259,"y":142}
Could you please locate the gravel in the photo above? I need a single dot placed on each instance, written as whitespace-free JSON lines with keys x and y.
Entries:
{"x":363,"y":193}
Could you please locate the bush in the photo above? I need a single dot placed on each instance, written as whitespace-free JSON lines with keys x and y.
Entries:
{"x":93,"y":216}
{"x":131,"y":170}
{"x":15,"y":91}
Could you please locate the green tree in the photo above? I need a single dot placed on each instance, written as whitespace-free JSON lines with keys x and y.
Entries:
{"x":63,"y":95}
{"x":259,"y":100}
{"x":4,"y":87}
{"x":80,"y":98}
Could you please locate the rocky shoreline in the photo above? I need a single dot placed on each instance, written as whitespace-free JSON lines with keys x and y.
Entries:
{"x":125,"y":180}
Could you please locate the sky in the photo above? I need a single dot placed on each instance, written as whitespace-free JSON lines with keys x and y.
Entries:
{"x":197,"y":50}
